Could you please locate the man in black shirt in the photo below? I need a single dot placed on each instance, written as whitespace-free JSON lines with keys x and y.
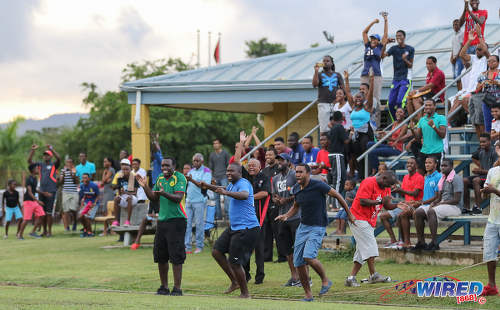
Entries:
{"x":261,"y":194}
{"x":271,"y":227}
{"x":336,"y":148}
{"x":31,"y":204}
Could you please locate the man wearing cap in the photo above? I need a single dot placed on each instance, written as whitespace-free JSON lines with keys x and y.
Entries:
{"x":127,"y":186}
{"x":48,"y":184}
{"x":282,"y":197}
{"x":372,"y":58}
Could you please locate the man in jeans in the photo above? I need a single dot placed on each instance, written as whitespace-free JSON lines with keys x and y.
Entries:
{"x":48,"y":184}
{"x":218,"y":161}
{"x":196,"y":200}
{"x":448,"y":203}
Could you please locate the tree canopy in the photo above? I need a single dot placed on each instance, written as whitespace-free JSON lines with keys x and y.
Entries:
{"x":262,"y":48}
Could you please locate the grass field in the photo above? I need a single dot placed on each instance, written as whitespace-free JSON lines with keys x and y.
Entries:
{"x":67,"y":272}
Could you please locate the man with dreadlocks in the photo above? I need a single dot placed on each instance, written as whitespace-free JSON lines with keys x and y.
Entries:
{"x":327,"y":81}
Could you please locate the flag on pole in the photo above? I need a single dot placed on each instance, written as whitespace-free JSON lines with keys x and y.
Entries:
{"x":217,"y":52}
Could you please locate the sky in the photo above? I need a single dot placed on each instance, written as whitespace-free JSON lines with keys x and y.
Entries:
{"x":49,"y":47}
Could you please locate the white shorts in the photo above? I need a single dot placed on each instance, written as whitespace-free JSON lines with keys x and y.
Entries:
{"x":443,"y":211}
{"x":325,"y":110}
{"x":491,"y":242}
{"x":366,"y":244}
{"x":123,"y":200}
{"x":394,"y":213}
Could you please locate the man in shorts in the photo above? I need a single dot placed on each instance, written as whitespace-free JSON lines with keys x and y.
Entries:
{"x":448,"y":203}
{"x":31,"y":204}
{"x":69,"y":181}
{"x":89,"y":196}
{"x":492,"y":231}
{"x":240,"y":238}
{"x":310,"y":199}
{"x":483,"y":158}
{"x":48,"y":184}
{"x":373,"y":194}
{"x":169,"y":190}
{"x":127,"y":189}
{"x":283,"y":198}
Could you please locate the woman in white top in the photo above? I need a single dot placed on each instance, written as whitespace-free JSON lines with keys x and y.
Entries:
{"x":344,"y":106}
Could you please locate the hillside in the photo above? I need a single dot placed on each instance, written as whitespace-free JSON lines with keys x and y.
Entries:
{"x":54,"y":121}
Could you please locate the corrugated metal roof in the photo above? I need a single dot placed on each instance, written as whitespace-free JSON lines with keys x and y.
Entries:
{"x":296,"y":68}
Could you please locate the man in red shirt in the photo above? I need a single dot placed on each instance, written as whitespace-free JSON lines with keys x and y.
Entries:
{"x":434,"y":82}
{"x":413,"y":190}
{"x":322,"y":159}
{"x":470,"y":19}
{"x":373,"y":194}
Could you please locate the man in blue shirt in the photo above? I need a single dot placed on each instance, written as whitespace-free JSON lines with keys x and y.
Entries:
{"x":240,"y":238}
{"x":402,"y":56}
{"x":89,"y":195}
{"x":310,"y":199}
{"x":297,"y":152}
{"x":310,"y":152}
{"x":196,"y":200}
{"x":85,"y":167}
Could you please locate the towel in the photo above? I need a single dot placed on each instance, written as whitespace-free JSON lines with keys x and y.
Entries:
{"x":448,"y":178}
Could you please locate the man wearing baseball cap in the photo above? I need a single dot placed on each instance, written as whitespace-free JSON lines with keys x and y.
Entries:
{"x":48,"y":184}
{"x":283,"y":199}
{"x":372,"y":58}
{"x":127,"y":186}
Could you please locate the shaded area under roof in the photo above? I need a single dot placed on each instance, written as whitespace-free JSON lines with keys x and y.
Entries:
{"x":286,"y":77}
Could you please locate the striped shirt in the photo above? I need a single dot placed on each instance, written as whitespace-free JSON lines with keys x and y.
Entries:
{"x":69,"y":184}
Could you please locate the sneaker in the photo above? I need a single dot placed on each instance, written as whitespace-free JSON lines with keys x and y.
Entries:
{"x":176,"y":292}
{"x":20,"y":238}
{"x":489,"y":291}
{"x":291,"y":282}
{"x":391,"y":245}
{"x":84,"y":234}
{"x":378,"y":278}
{"x":299,"y":284}
{"x":307,"y":299}
{"x":90,"y":235}
{"x":351,"y":281}
{"x":5,"y":236}
{"x":418,"y":247}
{"x":432,"y":247}
{"x":35,"y":235}
{"x":197,"y":251}
{"x":476,"y":210}
{"x":135,"y":246}
{"x":465,"y":211}
{"x":115,"y":224}
{"x":325,"y":288}
{"x":189,"y":252}
{"x":162,"y":291}
{"x":127,"y":223}
{"x":399,"y":245}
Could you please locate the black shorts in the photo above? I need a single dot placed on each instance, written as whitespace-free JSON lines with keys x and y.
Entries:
{"x":286,"y":236}
{"x":238,"y":243}
{"x":48,"y":203}
{"x":472,"y":177}
{"x":154,"y":207}
{"x":169,"y":241}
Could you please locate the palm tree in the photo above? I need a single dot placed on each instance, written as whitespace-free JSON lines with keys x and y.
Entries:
{"x":13,"y":148}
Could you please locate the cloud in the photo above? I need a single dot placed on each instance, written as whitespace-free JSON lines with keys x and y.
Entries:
{"x":16,"y":29}
{"x":133,"y":25}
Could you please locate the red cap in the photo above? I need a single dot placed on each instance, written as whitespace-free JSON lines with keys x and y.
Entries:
{"x":48,"y":152}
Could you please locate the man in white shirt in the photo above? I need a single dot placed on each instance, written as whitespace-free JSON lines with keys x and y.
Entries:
{"x":137,"y":170}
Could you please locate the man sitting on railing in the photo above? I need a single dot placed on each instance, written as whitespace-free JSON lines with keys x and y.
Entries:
{"x":434,"y":82}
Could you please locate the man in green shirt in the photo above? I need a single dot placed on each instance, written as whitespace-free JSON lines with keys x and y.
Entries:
{"x":432,"y":130}
{"x":169,"y":189}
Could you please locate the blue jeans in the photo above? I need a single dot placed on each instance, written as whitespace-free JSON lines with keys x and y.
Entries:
{"x":195,"y":211}
{"x":458,"y":67}
{"x":472,"y":50}
{"x":218,"y":209}
{"x":383,"y":150}
{"x":487,"y":117}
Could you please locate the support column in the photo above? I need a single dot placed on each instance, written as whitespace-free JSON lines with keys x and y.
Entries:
{"x":140,"y":137}
{"x":275,"y":119}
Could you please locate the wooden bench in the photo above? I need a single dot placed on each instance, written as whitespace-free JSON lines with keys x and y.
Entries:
{"x":130,"y":232}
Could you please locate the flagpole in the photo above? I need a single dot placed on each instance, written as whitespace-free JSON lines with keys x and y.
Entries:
{"x":198,"y":46}
{"x":209,"y":52}
{"x":219,"y":44}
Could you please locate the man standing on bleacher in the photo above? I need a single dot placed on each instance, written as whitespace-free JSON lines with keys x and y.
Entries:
{"x":169,"y":189}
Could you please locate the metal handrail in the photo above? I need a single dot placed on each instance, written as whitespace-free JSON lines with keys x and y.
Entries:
{"x":307,"y":107}
{"x":309,"y":132}
{"x":389,"y":134}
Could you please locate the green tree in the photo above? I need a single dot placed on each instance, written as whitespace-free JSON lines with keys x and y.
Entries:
{"x":262,"y":48}
{"x":14,"y":150}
